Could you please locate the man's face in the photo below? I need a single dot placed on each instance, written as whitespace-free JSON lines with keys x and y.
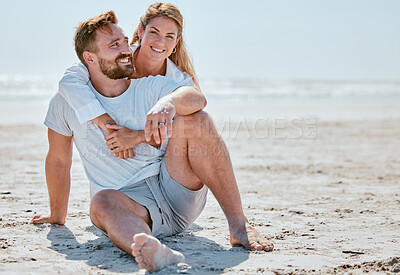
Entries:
{"x":114,"y":53}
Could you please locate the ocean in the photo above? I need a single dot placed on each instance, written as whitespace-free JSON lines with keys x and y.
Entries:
{"x":24,"y":98}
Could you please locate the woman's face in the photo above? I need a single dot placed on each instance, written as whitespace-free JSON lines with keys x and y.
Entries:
{"x":159,"y":38}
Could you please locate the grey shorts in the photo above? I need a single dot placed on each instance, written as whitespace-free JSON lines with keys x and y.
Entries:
{"x":172,"y":207}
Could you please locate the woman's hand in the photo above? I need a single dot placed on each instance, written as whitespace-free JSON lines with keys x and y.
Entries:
{"x":123,"y":139}
{"x":159,"y":121}
{"x":104,"y":120}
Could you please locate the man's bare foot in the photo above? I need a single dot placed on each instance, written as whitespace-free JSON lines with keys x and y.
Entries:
{"x":152,"y":255}
{"x":248,"y":236}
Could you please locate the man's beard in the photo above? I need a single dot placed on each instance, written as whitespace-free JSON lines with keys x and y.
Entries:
{"x":113,"y":70}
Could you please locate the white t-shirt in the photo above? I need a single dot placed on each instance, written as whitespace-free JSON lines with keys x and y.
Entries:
{"x":73,"y":86}
{"x":103,"y":169}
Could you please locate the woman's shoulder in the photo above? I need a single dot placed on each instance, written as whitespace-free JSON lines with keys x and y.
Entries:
{"x":176,"y":74}
{"x":134,"y":47}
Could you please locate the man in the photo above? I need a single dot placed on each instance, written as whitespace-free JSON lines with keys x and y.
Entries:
{"x":160,"y":191}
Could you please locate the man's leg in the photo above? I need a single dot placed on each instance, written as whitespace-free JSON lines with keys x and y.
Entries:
{"x":197,"y":155}
{"x":126,"y":222}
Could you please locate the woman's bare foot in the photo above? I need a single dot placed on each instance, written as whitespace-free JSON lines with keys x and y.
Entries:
{"x":152,"y":255}
{"x":246,"y":235}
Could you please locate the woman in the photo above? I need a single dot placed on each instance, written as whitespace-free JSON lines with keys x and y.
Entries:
{"x":158,"y":48}
{"x":161,"y":14}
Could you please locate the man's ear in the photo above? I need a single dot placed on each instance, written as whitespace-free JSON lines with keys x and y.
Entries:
{"x":88,"y":57}
{"x":140,"y":31}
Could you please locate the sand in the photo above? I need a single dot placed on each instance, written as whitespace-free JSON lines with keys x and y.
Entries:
{"x":328,"y":195}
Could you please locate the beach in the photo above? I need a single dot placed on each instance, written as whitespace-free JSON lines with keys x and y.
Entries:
{"x":318,"y":172}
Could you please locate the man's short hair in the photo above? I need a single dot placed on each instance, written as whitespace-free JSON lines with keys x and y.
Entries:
{"x":85,"y":36}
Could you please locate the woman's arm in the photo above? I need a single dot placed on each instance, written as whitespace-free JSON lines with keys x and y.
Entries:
{"x":184,"y":100}
{"x":74,"y":87}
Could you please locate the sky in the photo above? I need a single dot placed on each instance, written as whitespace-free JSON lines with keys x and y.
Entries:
{"x":345,"y":39}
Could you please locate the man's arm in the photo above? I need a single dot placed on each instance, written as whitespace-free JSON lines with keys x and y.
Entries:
{"x":184,"y":100}
{"x":58,"y":166}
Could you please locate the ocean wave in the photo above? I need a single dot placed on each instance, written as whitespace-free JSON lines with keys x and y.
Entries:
{"x":27,"y":87}
{"x":299,"y":88}
{"x":39,"y":87}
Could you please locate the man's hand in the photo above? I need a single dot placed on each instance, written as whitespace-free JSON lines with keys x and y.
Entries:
{"x":39,"y":219}
{"x":123,"y":139}
{"x":159,"y":120}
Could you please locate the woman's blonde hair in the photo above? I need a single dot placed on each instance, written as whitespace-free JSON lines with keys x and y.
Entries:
{"x":180,"y":57}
